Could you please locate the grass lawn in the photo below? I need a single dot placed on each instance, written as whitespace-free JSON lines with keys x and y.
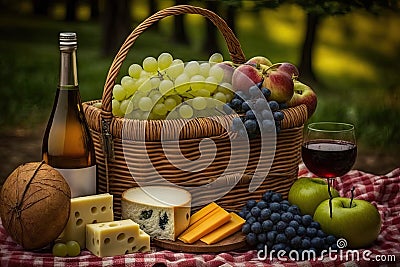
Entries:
{"x":357,"y":59}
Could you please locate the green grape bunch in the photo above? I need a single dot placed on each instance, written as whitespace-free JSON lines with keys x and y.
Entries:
{"x":167,"y":88}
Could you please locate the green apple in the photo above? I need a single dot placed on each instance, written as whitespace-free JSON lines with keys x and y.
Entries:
{"x":308,"y":193}
{"x":359,"y":224}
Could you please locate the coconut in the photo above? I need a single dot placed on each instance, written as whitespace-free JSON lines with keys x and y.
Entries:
{"x":35,"y":204}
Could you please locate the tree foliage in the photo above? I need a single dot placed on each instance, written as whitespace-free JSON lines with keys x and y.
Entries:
{"x":315,"y":10}
{"x":329,"y":7}
{"x":343,"y":6}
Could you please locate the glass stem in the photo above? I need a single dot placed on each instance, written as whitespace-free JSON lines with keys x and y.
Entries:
{"x":330,"y":197}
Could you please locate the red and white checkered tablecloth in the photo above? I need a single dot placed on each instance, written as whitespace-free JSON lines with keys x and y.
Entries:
{"x":381,"y":191}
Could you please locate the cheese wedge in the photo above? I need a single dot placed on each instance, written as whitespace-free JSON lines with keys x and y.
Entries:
{"x":116,"y":238}
{"x":85,"y":210}
{"x":163,"y":212}
{"x":207,"y":226}
{"x":231,"y":227}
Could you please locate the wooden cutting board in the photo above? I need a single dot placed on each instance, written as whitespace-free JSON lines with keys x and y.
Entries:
{"x":233,"y":242}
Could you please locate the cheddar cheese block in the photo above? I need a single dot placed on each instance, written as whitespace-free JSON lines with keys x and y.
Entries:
{"x":200,"y":216}
{"x":116,"y":238}
{"x":203,"y":212}
{"x":161,"y":211}
{"x":207,"y":226}
{"x":201,"y":220}
{"x":231,"y":227}
{"x":85,"y":210}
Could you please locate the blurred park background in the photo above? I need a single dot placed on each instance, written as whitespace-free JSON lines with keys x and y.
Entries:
{"x":348,"y":51}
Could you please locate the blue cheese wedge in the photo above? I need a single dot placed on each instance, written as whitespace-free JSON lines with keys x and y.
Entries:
{"x":163,"y":212}
{"x":116,"y":238}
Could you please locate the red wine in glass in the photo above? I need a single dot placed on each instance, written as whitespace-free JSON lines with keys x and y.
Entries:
{"x":329,"y":158}
{"x":329,"y":150}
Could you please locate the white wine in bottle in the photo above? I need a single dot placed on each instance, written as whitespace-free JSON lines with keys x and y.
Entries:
{"x":67,"y":144}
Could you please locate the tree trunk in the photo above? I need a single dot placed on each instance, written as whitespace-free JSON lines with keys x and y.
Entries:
{"x":116,"y":25}
{"x":70,"y":7}
{"x":94,"y":9}
{"x":153,"y":8}
{"x":41,"y":7}
{"x":306,"y":61}
{"x":211,"y":38}
{"x":179,"y":32}
{"x":231,"y":17}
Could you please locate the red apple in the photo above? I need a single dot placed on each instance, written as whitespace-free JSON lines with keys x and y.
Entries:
{"x":281,"y":85}
{"x":259,"y":60}
{"x":228,"y":68}
{"x":290,"y":69}
{"x":303,"y":94}
{"x":245,"y":76}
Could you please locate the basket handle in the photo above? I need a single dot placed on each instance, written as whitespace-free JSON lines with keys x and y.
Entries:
{"x":232,"y":42}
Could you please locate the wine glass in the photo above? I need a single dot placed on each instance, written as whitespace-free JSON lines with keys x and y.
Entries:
{"x":329,"y":150}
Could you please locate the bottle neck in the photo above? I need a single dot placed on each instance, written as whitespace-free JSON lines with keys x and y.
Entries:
{"x":68,"y":68}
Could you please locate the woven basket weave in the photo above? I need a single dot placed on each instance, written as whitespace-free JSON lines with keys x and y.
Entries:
{"x":128,"y":150}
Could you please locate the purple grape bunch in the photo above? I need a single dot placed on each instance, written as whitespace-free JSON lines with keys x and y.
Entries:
{"x":258,"y":113}
{"x":274,"y":223}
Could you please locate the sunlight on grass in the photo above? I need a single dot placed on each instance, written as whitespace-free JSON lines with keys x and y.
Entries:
{"x":285,"y":34}
{"x":165,"y":3}
{"x":25,"y":7}
{"x":369,"y":30}
{"x":334,"y":32}
{"x":247,"y":22}
{"x":284,"y":25}
{"x":58,"y":11}
{"x":378,"y":33}
{"x":140,"y":11}
{"x":83,"y":12}
{"x":339,"y":63}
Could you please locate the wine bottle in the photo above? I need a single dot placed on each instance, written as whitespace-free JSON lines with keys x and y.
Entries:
{"x":67,"y":143}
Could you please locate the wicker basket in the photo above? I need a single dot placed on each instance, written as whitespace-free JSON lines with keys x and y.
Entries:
{"x":130,"y":151}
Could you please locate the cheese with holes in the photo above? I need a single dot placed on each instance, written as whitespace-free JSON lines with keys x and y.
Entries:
{"x":85,"y":210}
{"x":161,"y":211}
{"x":207,"y":226}
{"x":116,"y":238}
{"x":231,"y":227}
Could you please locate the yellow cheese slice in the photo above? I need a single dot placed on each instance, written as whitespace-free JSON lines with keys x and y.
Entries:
{"x":219,"y":218}
{"x":201,"y":220}
{"x":203,"y":212}
{"x":231,"y":227}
